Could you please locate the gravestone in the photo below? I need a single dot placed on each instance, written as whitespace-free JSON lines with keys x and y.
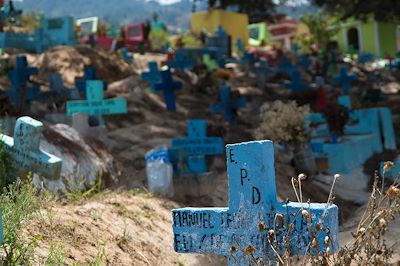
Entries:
{"x":364,"y":58}
{"x":286,"y":66}
{"x":26,"y":153}
{"x":296,"y":84}
{"x":125,"y":55}
{"x":197,"y":145}
{"x":253,"y":211}
{"x":220,"y":40}
{"x":168,"y":86}
{"x":95,"y":104}
{"x":344,"y":79}
{"x":228,"y":106}
{"x":304,"y":62}
{"x":180,"y":62}
{"x":153,"y":76}
{"x":209,"y":62}
{"x":20,"y":93}
{"x":263,"y":72}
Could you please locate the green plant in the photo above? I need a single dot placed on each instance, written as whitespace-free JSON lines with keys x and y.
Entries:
{"x":6,"y":168}
{"x":78,"y":193}
{"x":18,"y":203}
{"x":57,"y":254}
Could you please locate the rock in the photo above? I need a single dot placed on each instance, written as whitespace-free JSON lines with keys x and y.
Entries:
{"x":84,"y":159}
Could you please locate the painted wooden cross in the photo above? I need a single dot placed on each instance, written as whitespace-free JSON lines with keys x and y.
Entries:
{"x":20,"y":93}
{"x":168,"y":85}
{"x":25,"y":152}
{"x":153,"y":76}
{"x":263,"y":72}
{"x":59,"y":92}
{"x":344,"y":79}
{"x":125,"y":55}
{"x":89,"y":73}
{"x":296,"y":84}
{"x":180,"y":62}
{"x":197,"y":145}
{"x":304,"y":62}
{"x":286,"y":66}
{"x":95,"y":104}
{"x":228,"y":106}
{"x":242,"y":231}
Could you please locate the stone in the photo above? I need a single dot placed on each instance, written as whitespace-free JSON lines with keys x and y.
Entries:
{"x":26,"y":154}
{"x":196,"y":146}
{"x":20,"y":93}
{"x":168,"y":86}
{"x":95,"y":104}
{"x":253,"y":211}
{"x":228,"y":106}
{"x":343,"y":79}
{"x":153,"y":76}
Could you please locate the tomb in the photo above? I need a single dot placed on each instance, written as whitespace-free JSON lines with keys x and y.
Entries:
{"x":253,"y":211}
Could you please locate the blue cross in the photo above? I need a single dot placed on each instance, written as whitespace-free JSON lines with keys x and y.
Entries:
{"x":286,"y":67}
{"x":304,"y":62}
{"x":153,"y":76}
{"x":125,"y":55}
{"x":197,"y":145}
{"x":364,"y":58}
{"x":89,"y":73}
{"x":25,"y":152}
{"x":220,"y":32}
{"x":253,"y":211}
{"x":296,"y":84}
{"x":95,"y":104}
{"x":344,"y":79}
{"x":180,"y":62}
{"x":263,"y":72}
{"x":58,"y":92}
{"x":168,"y":85}
{"x":20,"y":93}
{"x":227,"y":105}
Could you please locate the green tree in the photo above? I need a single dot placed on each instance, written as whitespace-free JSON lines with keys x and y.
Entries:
{"x":382,"y":10}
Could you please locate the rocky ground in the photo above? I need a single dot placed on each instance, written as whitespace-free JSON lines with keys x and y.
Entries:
{"x":127,"y":227}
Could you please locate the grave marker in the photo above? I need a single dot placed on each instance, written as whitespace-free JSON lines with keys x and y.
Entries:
{"x":263,"y":72}
{"x":153,"y":76}
{"x":286,"y":66}
{"x":296,"y":84}
{"x":19,"y":93}
{"x":364,"y":58}
{"x":89,"y":73}
{"x":25,"y":151}
{"x":228,"y":106}
{"x":197,"y":145}
{"x":180,"y":62}
{"x":168,"y":85}
{"x":344,"y":79}
{"x":58,"y":91}
{"x":304,"y":62}
{"x":95,"y":104}
{"x":125,"y":55}
{"x":296,"y":48}
{"x":253,"y":205}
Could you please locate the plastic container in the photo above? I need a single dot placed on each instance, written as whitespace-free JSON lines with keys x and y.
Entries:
{"x":159,"y":171}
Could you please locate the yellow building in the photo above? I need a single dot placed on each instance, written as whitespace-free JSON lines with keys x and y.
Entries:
{"x":235,"y":24}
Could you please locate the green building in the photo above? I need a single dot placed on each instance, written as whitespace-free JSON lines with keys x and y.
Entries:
{"x":378,"y":38}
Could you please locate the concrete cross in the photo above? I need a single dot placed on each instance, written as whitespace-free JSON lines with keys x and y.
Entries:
{"x":197,"y":145}
{"x":20,"y":93}
{"x":25,"y":152}
{"x":344,"y":79}
{"x":228,"y":106}
{"x":153,"y":76}
{"x":95,"y":104}
{"x":168,"y":86}
{"x":241,"y":231}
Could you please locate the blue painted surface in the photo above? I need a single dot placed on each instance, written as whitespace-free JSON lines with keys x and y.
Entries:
{"x":168,"y":86}
{"x":263,"y":72}
{"x":296,"y":48}
{"x":286,"y":66}
{"x":296,"y":84}
{"x":197,"y":145}
{"x":364,"y":58}
{"x":25,"y":151}
{"x":252,"y":201}
{"x":228,"y":106}
{"x":58,"y":92}
{"x":125,"y":55}
{"x":345,"y":101}
{"x":370,"y":132}
{"x":53,"y":32}
{"x":344,"y":79}
{"x":304,"y":62}
{"x":95,"y":104}
{"x":180,"y":61}
{"x":153,"y":76}
{"x":220,"y":40}
{"x":20,"y":93}
{"x":393,"y":174}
